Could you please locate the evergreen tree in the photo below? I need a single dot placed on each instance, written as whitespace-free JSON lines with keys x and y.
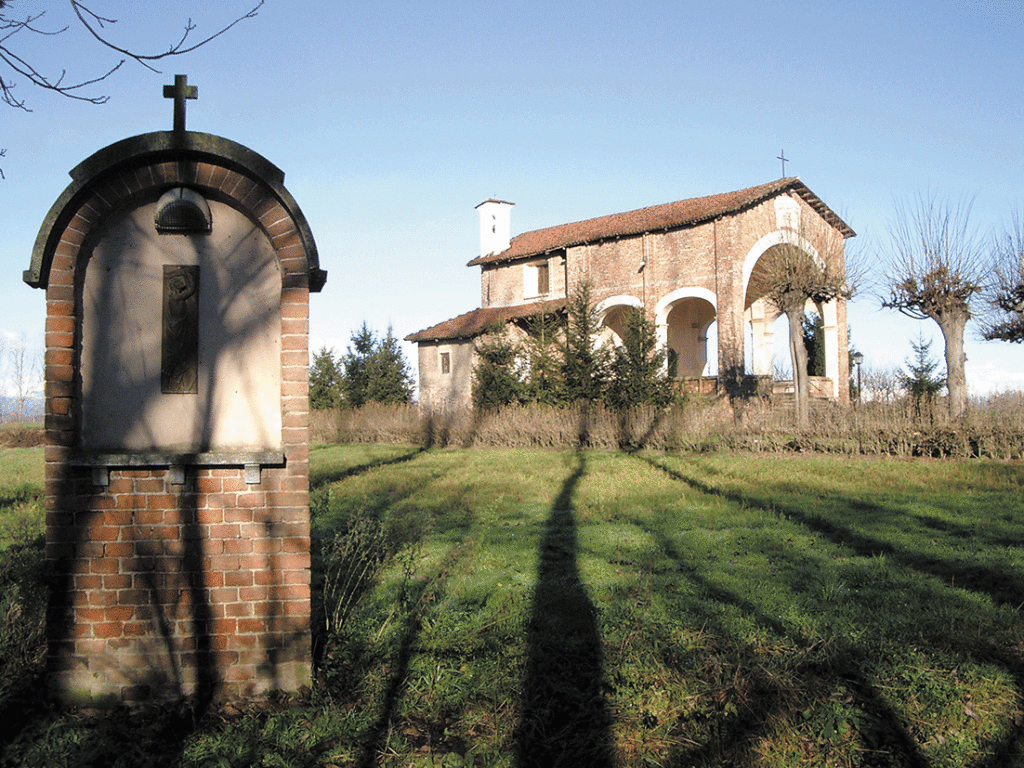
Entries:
{"x":543,"y":360}
{"x":357,"y":364}
{"x":495,"y":377}
{"x":814,"y":341}
{"x":638,"y":372}
{"x":584,"y":367}
{"x":375,"y":370}
{"x":920,"y":380}
{"x":390,"y":380}
{"x":325,"y":381}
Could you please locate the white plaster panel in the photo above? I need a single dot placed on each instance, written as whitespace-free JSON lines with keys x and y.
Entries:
{"x":238,"y":405}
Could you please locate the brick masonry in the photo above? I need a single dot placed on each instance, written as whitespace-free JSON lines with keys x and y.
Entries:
{"x":162,"y":588}
{"x":649,"y":269}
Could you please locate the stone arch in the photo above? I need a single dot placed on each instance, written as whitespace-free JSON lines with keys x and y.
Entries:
{"x":611,"y":316}
{"x":760,"y":316}
{"x":683,"y":318}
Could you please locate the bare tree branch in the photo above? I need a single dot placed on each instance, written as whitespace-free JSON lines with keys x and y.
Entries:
{"x":934,"y":271}
{"x":1003,"y":318}
{"x":12,"y":25}
{"x":95,"y":24}
{"x":84,"y":14}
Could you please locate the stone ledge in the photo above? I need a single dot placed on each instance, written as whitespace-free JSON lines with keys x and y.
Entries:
{"x":176,"y":461}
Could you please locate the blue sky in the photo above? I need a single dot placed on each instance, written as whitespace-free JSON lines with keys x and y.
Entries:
{"x":392,"y":120}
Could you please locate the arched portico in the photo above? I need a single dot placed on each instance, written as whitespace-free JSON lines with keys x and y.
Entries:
{"x":760,"y":314}
{"x":682,"y":319}
{"x":611,"y":315}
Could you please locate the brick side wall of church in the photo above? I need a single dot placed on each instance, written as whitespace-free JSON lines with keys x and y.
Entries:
{"x":160,"y":589}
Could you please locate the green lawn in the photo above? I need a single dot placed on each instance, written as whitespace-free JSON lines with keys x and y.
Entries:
{"x":516,"y":607}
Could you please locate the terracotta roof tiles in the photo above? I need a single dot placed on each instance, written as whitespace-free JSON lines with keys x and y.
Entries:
{"x":682,"y":213}
{"x":479,"y":320}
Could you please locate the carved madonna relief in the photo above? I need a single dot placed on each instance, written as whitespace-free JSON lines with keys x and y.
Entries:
{"x":181,"y":337}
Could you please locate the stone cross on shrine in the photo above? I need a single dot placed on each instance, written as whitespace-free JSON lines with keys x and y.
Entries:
{"x":180,"y":91}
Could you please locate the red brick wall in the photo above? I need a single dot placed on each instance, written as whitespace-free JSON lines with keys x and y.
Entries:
{"x":164,"y":590}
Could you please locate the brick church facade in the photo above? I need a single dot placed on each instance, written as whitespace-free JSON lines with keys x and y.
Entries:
{"x":686,"y":264}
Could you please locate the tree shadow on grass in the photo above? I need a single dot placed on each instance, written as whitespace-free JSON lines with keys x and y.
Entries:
{"x":998,"y":585}
{"x":322,"y":478}
{"x":564,"y":718}
{"x":763,"y":693}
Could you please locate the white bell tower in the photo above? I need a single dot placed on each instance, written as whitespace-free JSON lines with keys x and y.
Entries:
{"x":495,"y":226}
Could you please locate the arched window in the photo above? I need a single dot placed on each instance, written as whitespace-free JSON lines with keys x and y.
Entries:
{"x":183,"y":211}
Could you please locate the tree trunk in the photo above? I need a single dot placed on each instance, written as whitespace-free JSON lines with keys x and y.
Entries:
{"x":794,"y":312}
{"x":952,"y":325}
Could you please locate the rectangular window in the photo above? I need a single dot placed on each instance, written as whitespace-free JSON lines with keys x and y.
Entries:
{"x":446,"y":362}
{"x":536,"y":279}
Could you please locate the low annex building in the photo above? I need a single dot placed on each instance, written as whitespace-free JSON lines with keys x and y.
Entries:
{"x":687,"y":264}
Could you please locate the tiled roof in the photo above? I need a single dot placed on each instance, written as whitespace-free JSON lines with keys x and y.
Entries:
{"x":479,"y":320}
{"x":657,"y":218}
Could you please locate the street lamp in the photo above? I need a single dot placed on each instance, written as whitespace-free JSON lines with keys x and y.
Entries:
{"x":857,"y":358}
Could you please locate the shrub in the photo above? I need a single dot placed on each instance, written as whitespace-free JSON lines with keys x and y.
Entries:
{"x":23,"y":598}
{"x":993,"y":428}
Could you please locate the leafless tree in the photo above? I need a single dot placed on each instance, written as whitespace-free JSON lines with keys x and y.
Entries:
{"x":933,"y":270}
{"x":1004,"y":318}
{"x":810,"y":268}
{"x":881,"y":385}
{"x":15,"y":26}
{"x":26,"y":376}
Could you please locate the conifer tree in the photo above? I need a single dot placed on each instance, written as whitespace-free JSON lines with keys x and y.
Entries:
{"x":495,"y":377}
{"x":543,"y":382}
{"x":638,"y":373}
{"x":390,"y":381}
{"x":356,"y":364}
{"x":584,"y":366}
{"x":325,"y":381}
{"x":814,"y":341}
{"x":375,"y":370}
{"x":920,"y":380}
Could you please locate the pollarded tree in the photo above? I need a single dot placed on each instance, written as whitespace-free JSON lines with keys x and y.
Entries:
{"x":790,"y":278}
{"x":18,"y":25}
{"x":1004,"y":320}
{"x":933,"y":270}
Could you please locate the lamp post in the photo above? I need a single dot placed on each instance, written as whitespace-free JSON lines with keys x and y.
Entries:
{"x":858,"y":358}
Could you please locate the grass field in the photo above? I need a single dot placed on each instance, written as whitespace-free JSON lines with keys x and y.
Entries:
{"x":599,"y":608}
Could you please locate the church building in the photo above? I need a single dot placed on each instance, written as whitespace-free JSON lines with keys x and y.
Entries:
{"x":688,"y":265}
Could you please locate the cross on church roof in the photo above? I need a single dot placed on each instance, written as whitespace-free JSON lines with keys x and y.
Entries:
{"x":784,"y":160}
{"x":180,"y":91}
